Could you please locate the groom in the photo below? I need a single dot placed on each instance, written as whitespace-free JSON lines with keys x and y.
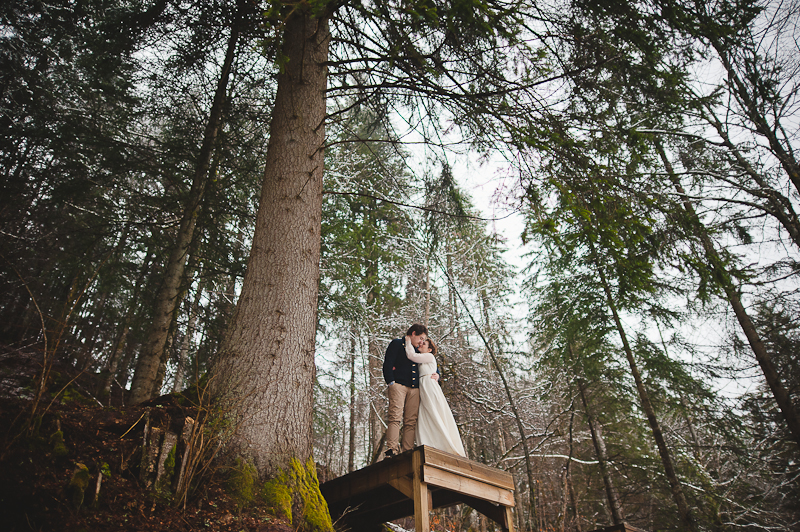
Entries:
{"x":402,"y":377}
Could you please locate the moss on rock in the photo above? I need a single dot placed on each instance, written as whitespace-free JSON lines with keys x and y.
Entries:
{"x":295,"y":496}
{"x":58,"y":445}
{"x":241,"y":483}
{"x":77,"y":485}
{"x":164,"y":482}
{"x":278,"y":498}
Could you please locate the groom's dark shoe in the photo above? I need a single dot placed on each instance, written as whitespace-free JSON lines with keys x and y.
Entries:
{"x":389,"y":453}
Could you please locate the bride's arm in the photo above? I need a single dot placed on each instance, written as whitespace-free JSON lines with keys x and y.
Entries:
{"x":419,"y":358}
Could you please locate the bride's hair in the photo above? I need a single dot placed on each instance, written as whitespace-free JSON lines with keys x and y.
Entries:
{"x":433,"y":346}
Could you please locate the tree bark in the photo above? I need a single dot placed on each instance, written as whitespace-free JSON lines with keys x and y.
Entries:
{"x":264,"y":373}
{"x":123,"y":369}
{"x":567,"y":493}
{"x":186,"y":343}
{"x":113,"y":361}
{"x":602,"y":456}
{"x":684,"y":511}
{"x":571,"y":489}
{"x":143,"y":386}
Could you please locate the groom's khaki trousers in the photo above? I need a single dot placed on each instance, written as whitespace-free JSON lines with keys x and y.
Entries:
{"x":403,"y":406}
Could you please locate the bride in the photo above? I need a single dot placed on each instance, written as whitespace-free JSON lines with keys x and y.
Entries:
{"x":435,"y":424}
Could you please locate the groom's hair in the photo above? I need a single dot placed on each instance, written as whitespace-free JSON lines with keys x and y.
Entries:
{"x":417,"y":329}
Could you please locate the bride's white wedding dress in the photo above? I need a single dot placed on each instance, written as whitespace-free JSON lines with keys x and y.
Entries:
{"x":436,"y":426}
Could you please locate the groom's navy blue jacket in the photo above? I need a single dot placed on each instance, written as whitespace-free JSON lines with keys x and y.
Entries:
{"x":397,"y":367}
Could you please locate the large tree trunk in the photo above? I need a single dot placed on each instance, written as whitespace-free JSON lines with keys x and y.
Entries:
{"x":120,"y":345}
{"x":567,"y":491}
{"x":684,"y":511}
{"x":264,"y":373}
{"x":186,"y":343}
{"x":145,"y":377}
{"x":599,"y":442}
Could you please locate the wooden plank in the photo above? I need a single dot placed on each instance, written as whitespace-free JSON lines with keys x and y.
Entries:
{"x":404,"y":485}
{"x":468,"y":468}
{"x":379,"y":515}
{"x":483,"y":472}
{"x":501,"y":515}
{"x":443,"y":498}
{"x":453,"y":481}
{"x":421,"y":496}
{"x":378,"y":473}
{"x":380,"y":498}
{"x":367,"y":479}
{"x":493,"y":511}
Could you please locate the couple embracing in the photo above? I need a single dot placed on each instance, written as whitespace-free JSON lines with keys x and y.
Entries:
{"x":415,"y":398}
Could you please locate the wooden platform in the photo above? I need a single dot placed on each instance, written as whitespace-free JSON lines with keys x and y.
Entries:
{"x":415,"y":482}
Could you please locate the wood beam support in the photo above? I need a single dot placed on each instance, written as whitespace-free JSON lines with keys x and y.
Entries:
{"x":404,"y":485}
{"x":422,"y":497}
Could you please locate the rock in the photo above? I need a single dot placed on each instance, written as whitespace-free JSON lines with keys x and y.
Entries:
{"x":77,"y":486}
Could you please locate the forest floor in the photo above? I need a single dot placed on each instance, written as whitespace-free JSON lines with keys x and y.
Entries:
{"x":34,"y":475}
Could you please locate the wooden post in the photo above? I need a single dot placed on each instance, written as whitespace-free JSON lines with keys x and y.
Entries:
{"x":509,"y":519}
{"x":422,"y":497}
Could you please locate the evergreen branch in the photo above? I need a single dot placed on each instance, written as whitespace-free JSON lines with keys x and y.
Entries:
{"x":428,"y":209}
